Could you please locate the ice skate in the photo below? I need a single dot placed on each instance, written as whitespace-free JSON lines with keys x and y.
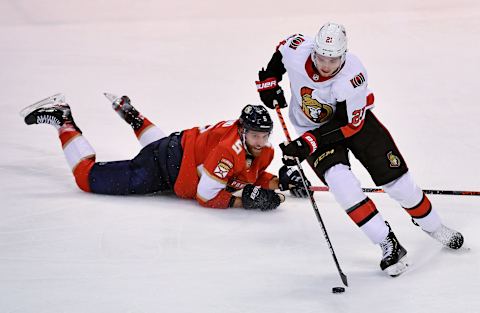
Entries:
{"x":448,"y":237}
{"x":394,"y":260}
{"x":125,"y":109}
{"x":52,"y":110}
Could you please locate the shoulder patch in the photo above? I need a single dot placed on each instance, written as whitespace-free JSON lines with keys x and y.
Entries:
{"x":296,"y":41}
{"x":223,"y":167}
{"x":358,"y":80}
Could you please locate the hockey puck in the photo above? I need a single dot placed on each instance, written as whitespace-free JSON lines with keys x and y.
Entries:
{"x":338,"y":289}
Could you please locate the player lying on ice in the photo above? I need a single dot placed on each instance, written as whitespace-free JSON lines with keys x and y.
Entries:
{"x":330,"y":108}
{"x":203,"y":163}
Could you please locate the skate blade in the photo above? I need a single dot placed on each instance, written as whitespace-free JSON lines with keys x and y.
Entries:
{"x":52,"y":100}
{"x":398,"y":268}
{"x":110,"y":96}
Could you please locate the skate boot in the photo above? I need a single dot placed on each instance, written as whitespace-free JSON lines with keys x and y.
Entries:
{"x":125,"y":109}
{"x":394,"y":260}
{"x":52,"y":110}
{"x":448,"y":237}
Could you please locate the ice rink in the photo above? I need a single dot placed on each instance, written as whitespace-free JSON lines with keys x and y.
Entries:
{"x":189,"y":63}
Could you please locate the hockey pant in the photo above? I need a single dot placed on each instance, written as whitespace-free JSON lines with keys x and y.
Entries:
{"x":154,"y":169}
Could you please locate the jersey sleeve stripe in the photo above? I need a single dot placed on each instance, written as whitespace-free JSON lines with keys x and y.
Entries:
{"x":209,"y":186}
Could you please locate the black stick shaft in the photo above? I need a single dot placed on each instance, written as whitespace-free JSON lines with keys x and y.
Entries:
{"x":343,"y":277}
{"x":427,"y":191}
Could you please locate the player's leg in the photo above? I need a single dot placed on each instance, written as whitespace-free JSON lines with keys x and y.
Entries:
{"x":388,"y":169}
{"x":78,"y":152}
{"x":418,"y":206}
{"x":154,"y":169}
{"x":331,"y":164}
{"x":145,"y":131}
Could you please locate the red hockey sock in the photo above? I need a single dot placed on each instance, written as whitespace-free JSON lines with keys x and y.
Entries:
{"x":81,"y":173}
{"x":66,"y":134}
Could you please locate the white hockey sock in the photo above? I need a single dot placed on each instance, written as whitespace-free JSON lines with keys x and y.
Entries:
{"x":413,"y":200}
{"x":150,"y":134}
{"x":76,"y":150}
{"x":347,"y":191}
{"x":429,"y":223}
{"x":344,"y":186}
{"x":376,"y":229}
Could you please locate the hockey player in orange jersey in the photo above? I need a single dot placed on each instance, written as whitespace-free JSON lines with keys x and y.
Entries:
{"x":204,"y":163}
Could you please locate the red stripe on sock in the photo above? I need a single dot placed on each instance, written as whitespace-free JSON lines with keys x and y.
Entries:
{"x":146,"y":124}
{"x":362,"y":212}
{"x":67,"y":135}
{"x":82,"y":171}
{"x":420,"y":210}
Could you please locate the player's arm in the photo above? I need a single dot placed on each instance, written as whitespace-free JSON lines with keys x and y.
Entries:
{"x":347,"y":121}
{"x":287,"y":179}
{"x":211,"y":191}
{"x":217,"y":170}
{"x":269,"y":78}
{"x":253,"y":198}
{"x":275,"y":67}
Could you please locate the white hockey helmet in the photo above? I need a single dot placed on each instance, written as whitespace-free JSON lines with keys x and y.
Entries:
{"x":331,"y":41}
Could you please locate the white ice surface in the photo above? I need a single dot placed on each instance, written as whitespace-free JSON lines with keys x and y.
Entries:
{"x":188,"y":63}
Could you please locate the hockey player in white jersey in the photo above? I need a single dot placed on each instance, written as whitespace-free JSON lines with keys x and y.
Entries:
{"x":330,"y":109}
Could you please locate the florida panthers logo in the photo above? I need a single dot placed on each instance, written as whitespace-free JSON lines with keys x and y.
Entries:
{"x":316,"y":111}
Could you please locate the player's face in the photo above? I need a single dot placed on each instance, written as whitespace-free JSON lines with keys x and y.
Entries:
{"x":326,"y":66}
{"x":256,"y":141}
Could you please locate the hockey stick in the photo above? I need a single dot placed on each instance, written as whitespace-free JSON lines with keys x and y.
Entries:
{"x":427,"y":191}
{"x":343,"y":277}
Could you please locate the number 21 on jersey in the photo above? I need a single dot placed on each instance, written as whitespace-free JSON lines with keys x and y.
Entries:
{"x":358,"y":116}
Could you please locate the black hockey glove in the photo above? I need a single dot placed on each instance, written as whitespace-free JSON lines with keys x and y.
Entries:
{"x":255,"y":197}
{"x":269,"y":90}
{"x":290,"y":179}
{"x":300,"y":148}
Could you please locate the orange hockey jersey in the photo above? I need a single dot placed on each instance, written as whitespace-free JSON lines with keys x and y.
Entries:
{"x":214,"y":160}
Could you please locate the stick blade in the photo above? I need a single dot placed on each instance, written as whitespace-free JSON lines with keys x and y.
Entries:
{"x":344,"y":279}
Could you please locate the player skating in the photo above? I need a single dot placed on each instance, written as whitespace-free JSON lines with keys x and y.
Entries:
{"x":330,"y":108}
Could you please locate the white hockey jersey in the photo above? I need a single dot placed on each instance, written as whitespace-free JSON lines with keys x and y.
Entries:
{"x":314,"y":98}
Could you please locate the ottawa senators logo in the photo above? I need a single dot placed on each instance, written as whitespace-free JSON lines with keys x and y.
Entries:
{"x":297,"y":41}
{"x":393,"y":159}
{"x":316,"y":111}
{"x":358,"y":80}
